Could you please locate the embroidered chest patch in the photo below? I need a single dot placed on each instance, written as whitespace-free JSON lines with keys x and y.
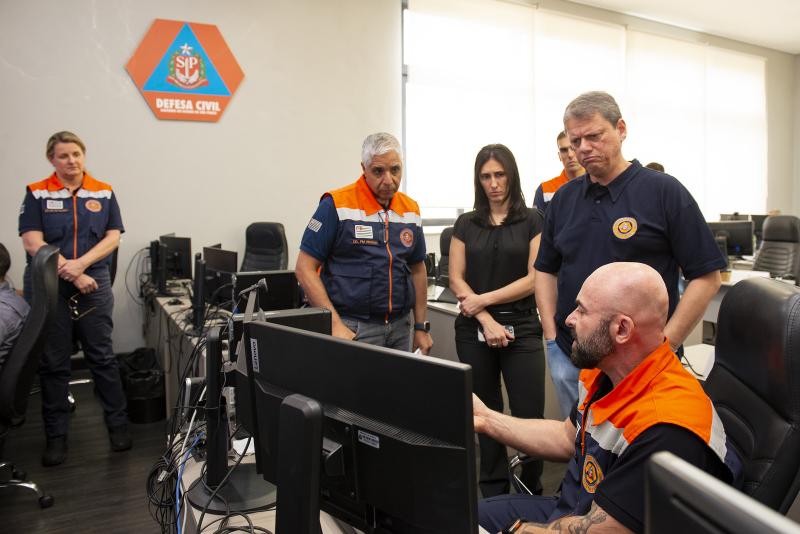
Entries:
{"x":624,"y":227}
{"x":93,"y":205}
{"x":592,"y":474}
{"x":407,"y":237}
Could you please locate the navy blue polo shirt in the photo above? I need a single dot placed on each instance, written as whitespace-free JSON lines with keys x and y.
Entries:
{"x":643,"y":216}
{"x":74,"y":223}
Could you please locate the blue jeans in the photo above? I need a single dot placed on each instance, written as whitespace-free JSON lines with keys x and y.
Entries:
{"x":395,"y":334}
{"x":564,"y":375}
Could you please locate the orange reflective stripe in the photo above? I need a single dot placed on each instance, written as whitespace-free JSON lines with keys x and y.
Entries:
{"x":553,"y":185}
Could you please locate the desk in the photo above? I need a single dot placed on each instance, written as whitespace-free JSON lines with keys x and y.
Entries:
{"x":736,"y":276}
{"x":442,"y":316}
{"x":266,"y":519}
{"x":166,"y":330}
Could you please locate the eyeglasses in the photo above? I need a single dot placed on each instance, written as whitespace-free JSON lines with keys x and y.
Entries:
{"x":74,"y":313}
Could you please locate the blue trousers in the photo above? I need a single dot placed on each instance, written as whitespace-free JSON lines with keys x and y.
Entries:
{"x":564,"y":375}
{"x":498,"y":513}
{"x":395,"y":334}
{"x":94,"y":333}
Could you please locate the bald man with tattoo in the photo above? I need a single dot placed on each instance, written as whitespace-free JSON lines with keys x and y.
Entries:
{"x":635,"y":399}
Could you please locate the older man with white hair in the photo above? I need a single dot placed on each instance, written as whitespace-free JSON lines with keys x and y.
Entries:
{"x":362,"y":255}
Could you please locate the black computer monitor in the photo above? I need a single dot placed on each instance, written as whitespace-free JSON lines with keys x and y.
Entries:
{"x":735,"y":216}
{"x":220,"y":266}
{"x":177,"y":260}
{"x":283,"y":291}
{"x":681,"y":498}
{"x":397,"y":429}
{"x":198,"y":295}
{"x":311,"y":319}
{"x":738,"y":236}
{"x":154,"y":248}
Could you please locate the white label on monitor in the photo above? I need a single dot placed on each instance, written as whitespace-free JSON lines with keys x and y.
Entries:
{"x":254,"y":354}
{"x":369,"y":439}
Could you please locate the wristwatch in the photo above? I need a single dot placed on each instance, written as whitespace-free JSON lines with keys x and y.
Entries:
{"x":423,"y":327}
{"x":515,"y":526}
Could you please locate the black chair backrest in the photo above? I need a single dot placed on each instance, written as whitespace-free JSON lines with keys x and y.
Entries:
{"x":780,"y":248}
{"x":443,"y":274}
{"x":112,"y":268}
{"x":19,"y":370}
{"x":265,"y":247}
{"x":755,"y":385}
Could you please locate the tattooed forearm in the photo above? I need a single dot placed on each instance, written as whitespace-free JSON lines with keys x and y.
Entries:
{"x":582,"y":524}
{"x":570,"y":523}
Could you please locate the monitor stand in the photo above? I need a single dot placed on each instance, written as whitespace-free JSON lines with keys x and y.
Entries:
{"x":300,"y":446}
{"x":241,"y":490}
{"x":244,"y":491}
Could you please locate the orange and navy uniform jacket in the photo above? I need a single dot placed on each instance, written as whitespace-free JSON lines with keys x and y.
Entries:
{"x":546,"y":190}
{"x":72,"y":222}
{"x":659,"y":391}
{"x":366,"y":251}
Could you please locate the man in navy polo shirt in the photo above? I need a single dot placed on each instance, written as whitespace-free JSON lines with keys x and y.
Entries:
{"x":617,"y":211}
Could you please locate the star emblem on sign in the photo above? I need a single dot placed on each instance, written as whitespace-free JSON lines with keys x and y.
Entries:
{"x":186,"y":50}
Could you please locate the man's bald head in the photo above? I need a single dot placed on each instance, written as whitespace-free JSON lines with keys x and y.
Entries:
{"x":622,"y":310}
{"x":633,"y":289}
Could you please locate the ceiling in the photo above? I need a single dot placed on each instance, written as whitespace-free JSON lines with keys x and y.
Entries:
{"x":769,"y":23}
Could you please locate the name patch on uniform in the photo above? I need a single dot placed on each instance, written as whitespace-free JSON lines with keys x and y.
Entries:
{"x":592,"y":474}
{"x":55,"y":204}
{"x":93,"y":205}
{"x":314,"y":225}
{"x":407,"y":237}
{"x":624,"y":227}
{"x":363,"y":231}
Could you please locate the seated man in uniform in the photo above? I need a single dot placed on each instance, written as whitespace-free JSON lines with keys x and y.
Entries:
{"x":13,"y":309}
{"x":635,"y":399}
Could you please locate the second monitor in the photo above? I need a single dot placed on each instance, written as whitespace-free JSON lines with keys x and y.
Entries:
{"x":283,"y":291}
{"x":738,"y":236}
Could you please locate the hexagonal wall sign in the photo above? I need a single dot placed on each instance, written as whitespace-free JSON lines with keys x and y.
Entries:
{"x":185,"y":71}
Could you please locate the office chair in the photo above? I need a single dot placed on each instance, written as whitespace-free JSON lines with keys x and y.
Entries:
{"x":265,"y":247}
{"x":17,"y":374}
{"x":755,"y":385}
{"x":443,"y":269}
{"x":780,"y":247}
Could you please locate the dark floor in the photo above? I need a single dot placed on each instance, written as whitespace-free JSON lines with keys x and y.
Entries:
{"x":95,"y":490}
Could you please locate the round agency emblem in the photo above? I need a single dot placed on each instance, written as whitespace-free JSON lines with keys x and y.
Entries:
{"x":407,"y":237}
{"x":592,"y":474}
{"x":624,"y":227}
{"x":93,"y":205}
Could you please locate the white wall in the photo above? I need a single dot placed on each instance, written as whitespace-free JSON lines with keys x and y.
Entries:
{"x":319,"y":77}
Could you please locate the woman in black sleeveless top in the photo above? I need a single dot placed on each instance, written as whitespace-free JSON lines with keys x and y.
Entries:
{"x":491,"y":272}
